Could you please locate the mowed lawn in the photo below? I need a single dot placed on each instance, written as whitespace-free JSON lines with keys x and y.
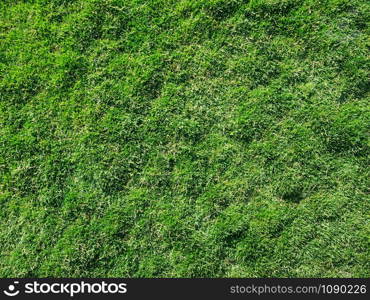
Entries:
{"x":188,"y":138}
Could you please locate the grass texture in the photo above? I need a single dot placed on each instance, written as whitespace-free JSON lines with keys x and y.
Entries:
{"x":189,"y":138}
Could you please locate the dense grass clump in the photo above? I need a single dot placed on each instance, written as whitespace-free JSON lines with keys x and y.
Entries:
{"x":163,"y":138}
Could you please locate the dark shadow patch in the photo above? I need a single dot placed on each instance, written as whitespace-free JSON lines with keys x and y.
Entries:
{"x":223,"y":9}
{"x":295,"y":196}
{"x":233,"y":238}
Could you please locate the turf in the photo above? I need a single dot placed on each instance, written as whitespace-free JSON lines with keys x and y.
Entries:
{"x":162,"y":138}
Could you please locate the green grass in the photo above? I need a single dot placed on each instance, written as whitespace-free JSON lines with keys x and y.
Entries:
{"x":162,"y":138}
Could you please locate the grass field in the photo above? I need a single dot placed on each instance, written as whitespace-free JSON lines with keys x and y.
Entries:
{"x":189,"y":138}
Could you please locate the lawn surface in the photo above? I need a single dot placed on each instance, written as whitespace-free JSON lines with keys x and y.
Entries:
{"x":189,"y":138}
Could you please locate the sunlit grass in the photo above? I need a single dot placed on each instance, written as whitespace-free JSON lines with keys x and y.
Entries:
{"x":184,"y":138}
